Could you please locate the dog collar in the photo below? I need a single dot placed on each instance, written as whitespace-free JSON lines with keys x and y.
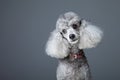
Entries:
{"x":78,"y":55}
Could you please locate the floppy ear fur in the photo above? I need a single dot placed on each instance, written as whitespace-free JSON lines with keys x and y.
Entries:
{"x":57,"y":46}
{"x":90,"y":35}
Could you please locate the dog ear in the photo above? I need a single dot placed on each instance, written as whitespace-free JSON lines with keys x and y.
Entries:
{"x":56,"y":46}
{"x":90,"y":35}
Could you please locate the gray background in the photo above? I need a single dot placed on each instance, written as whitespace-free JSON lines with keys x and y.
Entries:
{"x":25,"y":26}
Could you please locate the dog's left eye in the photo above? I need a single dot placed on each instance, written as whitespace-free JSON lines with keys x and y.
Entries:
{"x":64,"y":31}
{"x":75,"y":26}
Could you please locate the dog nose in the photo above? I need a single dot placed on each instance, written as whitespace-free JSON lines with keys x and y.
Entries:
{"x":71,"y":36}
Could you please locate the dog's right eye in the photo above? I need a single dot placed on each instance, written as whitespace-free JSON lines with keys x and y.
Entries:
{"x":64,"y":31}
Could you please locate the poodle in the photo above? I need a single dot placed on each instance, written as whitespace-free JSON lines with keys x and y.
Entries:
{"x":66,"y":43}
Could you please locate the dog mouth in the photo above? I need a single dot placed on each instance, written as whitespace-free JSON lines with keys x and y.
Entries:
{"x":74,"y":41}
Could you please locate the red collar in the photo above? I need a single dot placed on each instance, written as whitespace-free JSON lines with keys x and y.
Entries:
{"x":78,"y":55}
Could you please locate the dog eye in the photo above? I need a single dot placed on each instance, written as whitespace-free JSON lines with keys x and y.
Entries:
{"x":75,"y":26}
{"x":64,"y":31}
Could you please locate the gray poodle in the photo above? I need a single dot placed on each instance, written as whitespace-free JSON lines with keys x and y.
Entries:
{"x":66,"y":43}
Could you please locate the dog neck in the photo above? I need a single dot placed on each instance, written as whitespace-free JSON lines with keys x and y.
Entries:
{"x":76,"y":56}
{"x":74,"y":49}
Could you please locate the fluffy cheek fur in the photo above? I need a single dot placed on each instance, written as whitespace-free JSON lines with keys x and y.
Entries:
{"x":90,"y":35}
{"x":57,"y":46}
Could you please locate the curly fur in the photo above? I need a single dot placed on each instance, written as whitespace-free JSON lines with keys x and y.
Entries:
{"x":58,"y":45}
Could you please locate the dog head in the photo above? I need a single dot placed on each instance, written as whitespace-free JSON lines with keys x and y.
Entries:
{"x":78,"y":31}
{"x":72,"y":30}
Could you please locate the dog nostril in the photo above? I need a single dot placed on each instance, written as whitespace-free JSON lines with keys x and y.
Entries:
{"x":71,"y":36}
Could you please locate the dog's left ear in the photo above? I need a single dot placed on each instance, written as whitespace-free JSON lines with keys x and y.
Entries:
{"x":90,"y":35}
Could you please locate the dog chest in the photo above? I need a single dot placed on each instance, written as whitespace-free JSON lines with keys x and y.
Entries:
{"x":66,"y":71}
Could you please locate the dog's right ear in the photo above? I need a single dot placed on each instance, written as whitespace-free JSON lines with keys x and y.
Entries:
{"x":56,"y":46}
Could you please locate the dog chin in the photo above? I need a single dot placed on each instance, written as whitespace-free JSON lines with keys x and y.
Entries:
{"x":74,"y":42}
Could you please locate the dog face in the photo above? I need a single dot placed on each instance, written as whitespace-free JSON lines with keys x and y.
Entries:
{"x":71,"y":32}
{"x":69,"y":25}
